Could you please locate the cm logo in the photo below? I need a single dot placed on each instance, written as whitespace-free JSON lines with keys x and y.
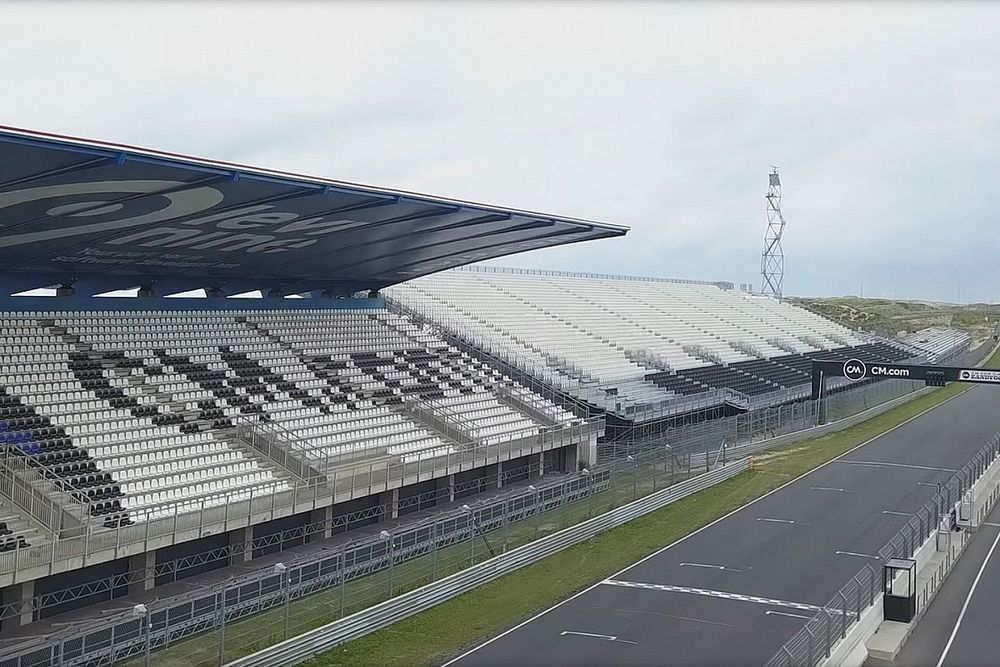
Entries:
{"x":855,"y":369}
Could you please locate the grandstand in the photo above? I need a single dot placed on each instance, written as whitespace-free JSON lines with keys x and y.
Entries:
{"x":638,"y":347}
{"x":139,"y":431}
{"x":937,"y":343}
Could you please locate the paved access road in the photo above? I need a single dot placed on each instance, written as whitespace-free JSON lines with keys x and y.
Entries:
{"x":735,"y":591}
{"x":945,"y":636}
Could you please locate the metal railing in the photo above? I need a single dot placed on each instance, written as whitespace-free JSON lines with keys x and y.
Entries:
{"x":476,"y":268}
{"x":817,"y":638}
{"x":24,"y":486}
{"x":206,"y":515}
{"x":279,"y":446}
{"x":302,"y":647}
{"x":342,"y":579}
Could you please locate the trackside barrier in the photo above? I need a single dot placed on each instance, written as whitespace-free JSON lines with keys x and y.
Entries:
{"x":309,"y":644}
{"x":820,"y":636}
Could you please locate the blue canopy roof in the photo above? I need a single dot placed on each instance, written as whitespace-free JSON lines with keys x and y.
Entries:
{"x":108,"y":216}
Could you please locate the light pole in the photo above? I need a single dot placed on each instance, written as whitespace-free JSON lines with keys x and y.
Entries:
{"x":635,"y":471}
{"x":387,"y":536}
{"x":140,"y":611}
{"x":282,"y":571}
{"x":477,"y":529}
{"x":472,"y":534}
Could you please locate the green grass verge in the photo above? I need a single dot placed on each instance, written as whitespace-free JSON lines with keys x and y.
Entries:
{"x":434,"y":635}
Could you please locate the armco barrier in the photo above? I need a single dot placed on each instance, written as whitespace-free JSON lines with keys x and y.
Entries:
{"x":309,"y":644}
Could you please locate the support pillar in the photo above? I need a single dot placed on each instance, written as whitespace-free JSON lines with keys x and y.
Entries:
{"x":586,"y":453}
{"x":243,"y":536}
{"x":145,"y":563}
{"x":27,"y":594}
{"x":571,"y":457}
{"x":390,"y":499}
{"x":322,"y":515}
{"x":491,"y":472}
{"x":447,"y":482}
{"x":536,"y":464}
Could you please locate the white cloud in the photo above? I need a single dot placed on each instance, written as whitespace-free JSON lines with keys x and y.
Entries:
{"x":885,"y":118}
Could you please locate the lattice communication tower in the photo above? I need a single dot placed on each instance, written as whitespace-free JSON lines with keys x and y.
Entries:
{"x":772,"y":260}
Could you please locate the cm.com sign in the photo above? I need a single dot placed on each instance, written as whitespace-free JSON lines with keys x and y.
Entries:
{"x":855,"y":370}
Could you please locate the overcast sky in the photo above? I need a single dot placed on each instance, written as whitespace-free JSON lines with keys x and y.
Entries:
{"x":884,"y":119}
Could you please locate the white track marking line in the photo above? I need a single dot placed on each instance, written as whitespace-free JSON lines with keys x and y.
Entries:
{"x":711,"y":567}
{"x":885,"y":464}
{"x":771,"y":612}
{"x":855,"y":553}
{"x":724,"y":595}
{"x":693,"y":533}
{"x":968,"y":599}
{"x":760,"y":518}
{"x":893,"y":512}
{"x":647,"y":612}
{"x":609,"y":638}
{"x":992,"y":525}
{"x":829,"y":488}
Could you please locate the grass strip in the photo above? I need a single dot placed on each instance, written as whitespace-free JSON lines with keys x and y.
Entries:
{"x":438,"y":633}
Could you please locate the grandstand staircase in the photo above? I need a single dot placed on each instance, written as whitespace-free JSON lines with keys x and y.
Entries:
{"x":502,"y":393}
{"x":326,"y":370}
{"x":18,"y":530}
{"x":163,"y":409}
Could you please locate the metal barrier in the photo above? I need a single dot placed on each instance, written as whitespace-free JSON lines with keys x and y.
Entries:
{"x":817,"y":638}
{"x":298,"y":649}
{"x":208,"y":516}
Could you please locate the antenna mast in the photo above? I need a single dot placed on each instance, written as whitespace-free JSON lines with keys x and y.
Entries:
{"x":772,"y":261}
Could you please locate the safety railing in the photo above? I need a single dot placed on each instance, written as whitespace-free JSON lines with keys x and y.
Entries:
{"x":476,"y":268}
{"x":279,"y":446}
{"x":302,"y":647}
{"x":817,"y":638}
{"x":206,"y":514}
{"x":24,"y":486}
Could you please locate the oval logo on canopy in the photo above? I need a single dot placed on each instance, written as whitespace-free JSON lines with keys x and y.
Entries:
{"x":855,"y":369}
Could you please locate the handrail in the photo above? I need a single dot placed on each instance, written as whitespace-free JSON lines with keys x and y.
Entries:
{"x":474,"y":268}
{"x":21,"y":485}
{"x":279,"y":446}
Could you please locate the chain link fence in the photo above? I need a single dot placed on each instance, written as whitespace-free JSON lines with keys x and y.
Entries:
{"x":816,"y":639}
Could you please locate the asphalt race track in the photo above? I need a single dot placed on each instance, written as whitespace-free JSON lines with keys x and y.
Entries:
{"x":975,"y":640}
{"x":734,"y":592}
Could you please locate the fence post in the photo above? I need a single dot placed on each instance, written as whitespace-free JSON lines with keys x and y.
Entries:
{"x":222,"y":627}
{"x":809,"y":646}
{"x":857,"y":611}
{"x":343,"y":577}
{"x":843,"y":615}
{"x":826,"y":612}
{"x":434,"y":550}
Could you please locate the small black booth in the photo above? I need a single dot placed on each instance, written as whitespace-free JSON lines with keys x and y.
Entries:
{"x":899,"y":588}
